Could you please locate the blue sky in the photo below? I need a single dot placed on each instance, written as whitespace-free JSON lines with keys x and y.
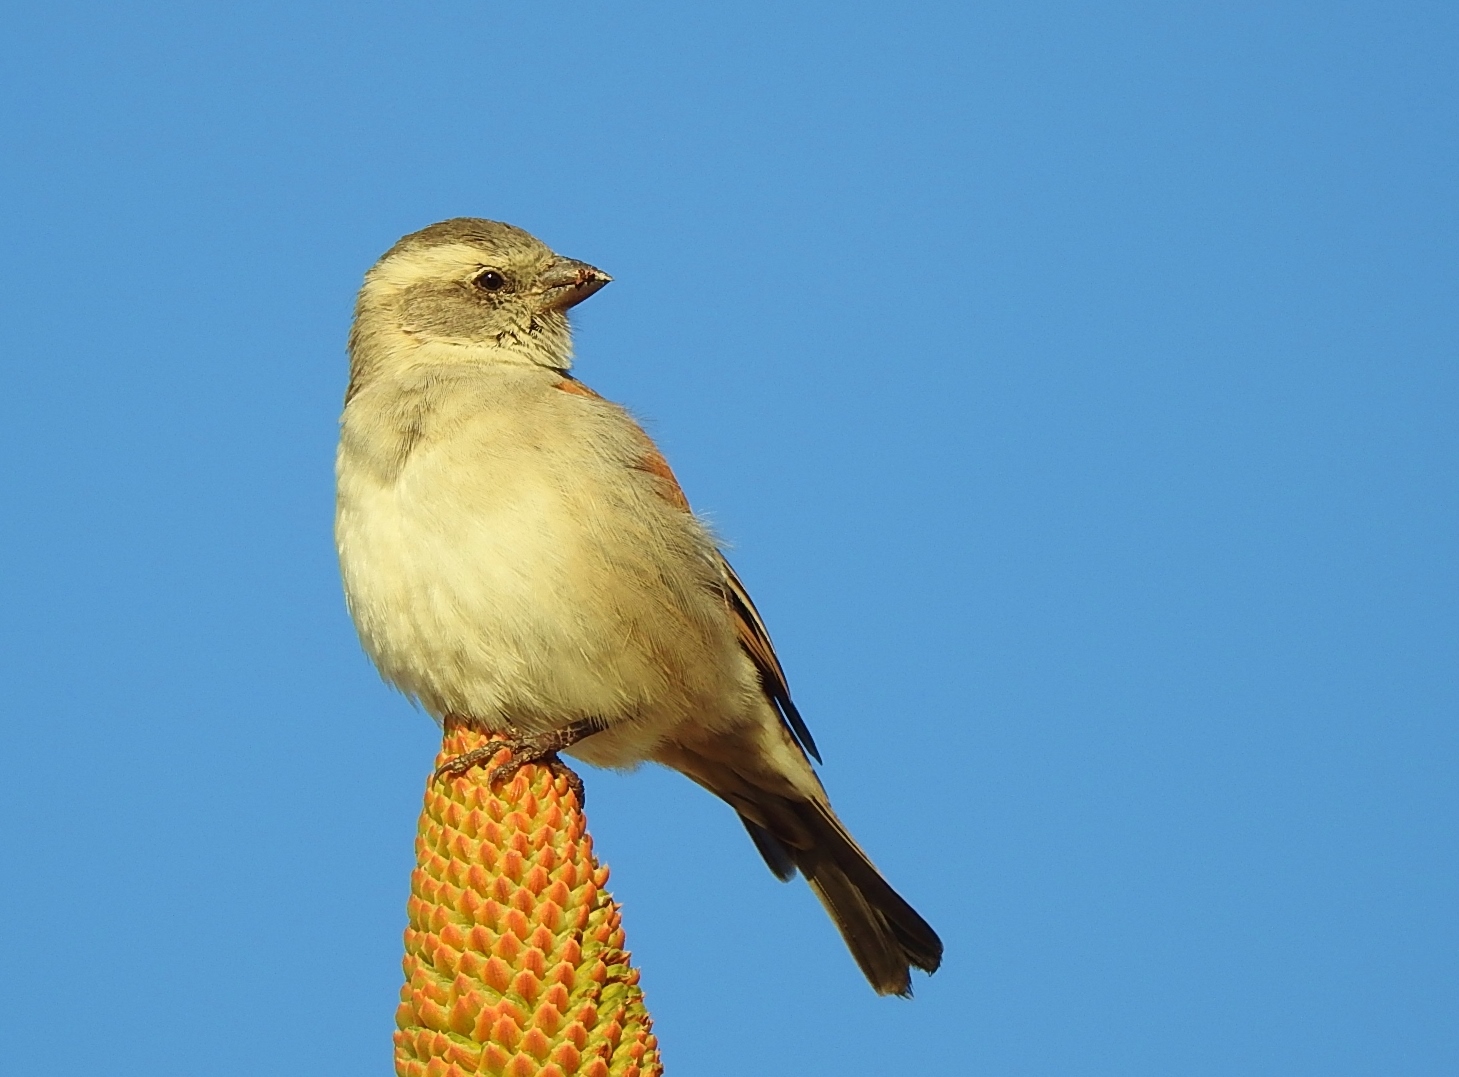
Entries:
{"x":1074,"y":383}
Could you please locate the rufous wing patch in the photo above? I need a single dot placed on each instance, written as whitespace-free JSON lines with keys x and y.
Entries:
{"x":750,"y":629}
{"x":652,"y":461}
{"x":576,"y":388}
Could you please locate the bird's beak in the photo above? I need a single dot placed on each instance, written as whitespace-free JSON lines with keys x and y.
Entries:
{"x":566,"y":283}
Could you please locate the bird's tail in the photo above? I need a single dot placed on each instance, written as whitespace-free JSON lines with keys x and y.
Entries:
{"x":885,"y":935}
{"x":794,"y":833}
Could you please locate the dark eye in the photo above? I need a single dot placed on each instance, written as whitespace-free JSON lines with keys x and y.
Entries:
{"x":491,"y":281}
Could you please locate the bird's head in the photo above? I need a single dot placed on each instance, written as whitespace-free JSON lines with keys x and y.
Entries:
{"x":473,"y":284}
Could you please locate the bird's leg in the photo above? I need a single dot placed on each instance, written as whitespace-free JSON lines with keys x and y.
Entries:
{"x":539,"y":748}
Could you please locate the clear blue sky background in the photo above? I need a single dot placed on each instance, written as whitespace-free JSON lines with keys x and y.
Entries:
{"x":1075,"y":382}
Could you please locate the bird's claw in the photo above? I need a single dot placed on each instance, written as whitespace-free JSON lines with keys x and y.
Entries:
{"x":525,"y":751}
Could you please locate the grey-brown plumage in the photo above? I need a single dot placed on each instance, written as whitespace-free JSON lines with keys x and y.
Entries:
{"x":885,"y":935}
{"x":518,"y":555}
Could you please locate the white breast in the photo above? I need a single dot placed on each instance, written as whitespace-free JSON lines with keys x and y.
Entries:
{"x":517,"y":569}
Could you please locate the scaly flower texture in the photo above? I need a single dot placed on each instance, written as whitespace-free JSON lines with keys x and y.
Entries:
{"x":514,"y":959}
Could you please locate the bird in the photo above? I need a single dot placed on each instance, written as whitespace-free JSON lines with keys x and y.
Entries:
{"x":517,"y":556}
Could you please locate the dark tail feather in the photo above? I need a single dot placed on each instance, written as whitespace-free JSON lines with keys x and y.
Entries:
{"x":885,"y":935}
{"x":776,"y":855}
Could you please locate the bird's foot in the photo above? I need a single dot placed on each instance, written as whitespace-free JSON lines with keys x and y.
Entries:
{"x":541,"y":748}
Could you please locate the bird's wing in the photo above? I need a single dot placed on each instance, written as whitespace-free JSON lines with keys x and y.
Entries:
{"x":749,"y":628}
{"x":756,"y":641}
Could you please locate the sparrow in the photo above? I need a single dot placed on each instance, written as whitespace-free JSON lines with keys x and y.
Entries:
{"x":518,"y":556}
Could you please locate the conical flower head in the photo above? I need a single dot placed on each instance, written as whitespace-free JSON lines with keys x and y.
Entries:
{"x":514,"y":959}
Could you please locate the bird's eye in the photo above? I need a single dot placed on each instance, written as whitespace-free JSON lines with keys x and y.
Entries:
{"x":491,"y":281}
